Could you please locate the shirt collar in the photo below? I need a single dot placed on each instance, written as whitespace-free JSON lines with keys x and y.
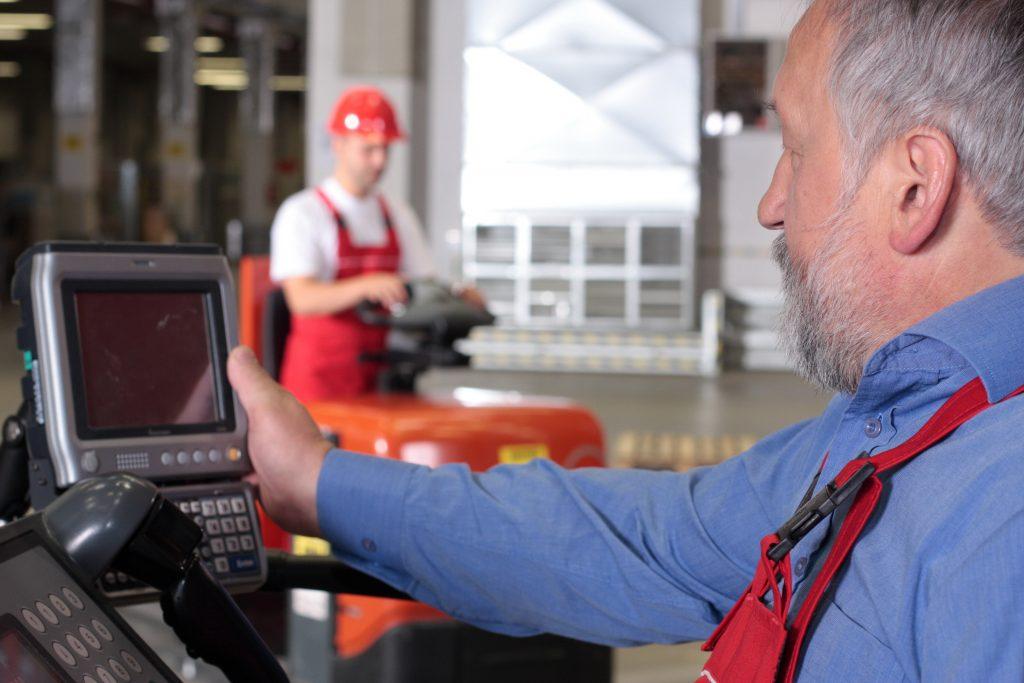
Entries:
{"x":987,"y":330}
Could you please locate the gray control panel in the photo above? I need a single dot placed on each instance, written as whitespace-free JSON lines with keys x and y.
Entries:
{"x":52,"y":630}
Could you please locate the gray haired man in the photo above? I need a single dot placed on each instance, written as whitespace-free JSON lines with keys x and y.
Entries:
{"x":899,"y":197}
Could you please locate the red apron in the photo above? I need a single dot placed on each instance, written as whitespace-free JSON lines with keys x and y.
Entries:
{"x":752,"y":644}
{"x":322,"y":354}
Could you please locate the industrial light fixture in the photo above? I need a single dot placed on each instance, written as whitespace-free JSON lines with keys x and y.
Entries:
{"x":221,"y":64}
{"x":158,"y":44}
{"x":26,"y":21}
{"x":208,"y":44}
{"x":10,"y":69}
{"x":13,"y":33}
{"x":222,"y":79}
{"x":288,"y":83}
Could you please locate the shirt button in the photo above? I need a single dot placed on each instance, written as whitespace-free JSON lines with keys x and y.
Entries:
{"x":872,"y":427}
{"x":801,"y":566}
{"x":369,"y":545}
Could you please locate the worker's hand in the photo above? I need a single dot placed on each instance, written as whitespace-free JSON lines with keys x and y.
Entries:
{"x":472,"y":295}
{"x":385,"y":289}
{"x":285,"y":445}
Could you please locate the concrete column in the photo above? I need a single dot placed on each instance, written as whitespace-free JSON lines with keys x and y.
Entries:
{"x":354,"y":42}
{"x":442,"y":178}
{"x":258,"y":42}
{"x":178,"y":108}
{"x":77,"y":107}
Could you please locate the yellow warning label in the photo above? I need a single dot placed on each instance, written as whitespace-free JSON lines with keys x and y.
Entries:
{"x":309,"y":545}
{"x":517,"y":454}
{"x":73,"y":143}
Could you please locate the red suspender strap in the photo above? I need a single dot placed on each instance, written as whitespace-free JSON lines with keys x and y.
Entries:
{"x":330,"y":207}
{"x":748,"y":642}
{"x":970,"y":400}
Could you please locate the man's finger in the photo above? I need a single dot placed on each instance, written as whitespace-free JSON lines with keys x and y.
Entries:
{"x":248,"y":377}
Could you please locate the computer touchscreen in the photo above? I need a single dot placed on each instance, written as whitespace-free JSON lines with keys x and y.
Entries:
{"x":147,"y":361}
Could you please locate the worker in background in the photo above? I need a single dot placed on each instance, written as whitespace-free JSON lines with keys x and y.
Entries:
{"x":343,"y":242}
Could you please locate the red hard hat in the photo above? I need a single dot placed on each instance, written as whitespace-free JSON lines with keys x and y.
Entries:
{"x":364,"y":110}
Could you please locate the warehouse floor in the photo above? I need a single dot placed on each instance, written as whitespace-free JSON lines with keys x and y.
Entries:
{"x":664,"y":422}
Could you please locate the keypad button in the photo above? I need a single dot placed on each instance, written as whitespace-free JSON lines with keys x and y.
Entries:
{"x":182,"y":458}
{"x":217,"y":545}
{"x":220,"y":565}
{"x":33,"y":620}
{"x":118,"y":669}
{"x":238,"y":505}
{"x":243,"y":525}
{"x":244,"y":563}
{"x":104,"y":675}
{"x":122,"y":577}
{"x":209,"y":507}
{"x":223,"y":506}
{"x":232,"y":544}
{"x":73,"y":598}
{"x":47,"y":613}
{"x":102,"y":630}
{"x":248,"y":543}
{"x":166,"y":458}
{"x":227,"y":525}
{"x":206,"y":552}
{"x":89,"y":637}
{"x":76,"y":645}
{"x":88,"y":679}
{"x":60,"y":605}
{"x":63,"y":653}
{"x":198,"y":457}
{"x":184,"y":507}
{"x":196,"y":507}
{"x":212,"y":527}
{"x":130,"y":660}
{"x":215,"y":455}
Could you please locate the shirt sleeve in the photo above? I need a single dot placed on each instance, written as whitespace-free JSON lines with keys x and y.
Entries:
{"x":417,"y":260}
{"x":294,"y":248}
{"x":620,"y":557}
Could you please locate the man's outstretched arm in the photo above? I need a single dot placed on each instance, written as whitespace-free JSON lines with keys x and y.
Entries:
{"x":620,"y":557}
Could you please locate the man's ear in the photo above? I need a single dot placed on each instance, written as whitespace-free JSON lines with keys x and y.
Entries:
{"x":925,"y":163}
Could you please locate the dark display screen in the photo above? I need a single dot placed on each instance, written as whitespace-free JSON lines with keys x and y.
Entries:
{"x":146,"y":359}
{"x":19,"y":661}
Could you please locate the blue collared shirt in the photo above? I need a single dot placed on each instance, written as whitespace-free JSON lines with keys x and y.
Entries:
{"x":934,"y":589}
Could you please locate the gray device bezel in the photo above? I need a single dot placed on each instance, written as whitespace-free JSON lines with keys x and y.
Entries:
{"x":52,"y":369}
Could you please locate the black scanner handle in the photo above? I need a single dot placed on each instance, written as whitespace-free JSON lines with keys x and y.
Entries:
{"x":213,"y":628}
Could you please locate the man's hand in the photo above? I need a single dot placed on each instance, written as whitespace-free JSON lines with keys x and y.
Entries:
{"x":285,"y":445}
{"x":385,"y":289}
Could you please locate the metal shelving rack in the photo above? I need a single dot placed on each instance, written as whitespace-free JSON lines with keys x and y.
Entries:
{"x":599,"y":272}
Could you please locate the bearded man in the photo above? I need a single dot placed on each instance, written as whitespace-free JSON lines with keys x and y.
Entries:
{"x":899,"y":197}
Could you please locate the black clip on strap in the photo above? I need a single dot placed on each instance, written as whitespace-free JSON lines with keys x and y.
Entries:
{"x":816,"y":509}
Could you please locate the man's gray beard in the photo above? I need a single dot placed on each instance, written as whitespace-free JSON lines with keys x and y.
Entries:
{"x":828,"y":306}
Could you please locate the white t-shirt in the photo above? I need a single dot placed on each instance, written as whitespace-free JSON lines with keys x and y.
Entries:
{"x":304,"y":236}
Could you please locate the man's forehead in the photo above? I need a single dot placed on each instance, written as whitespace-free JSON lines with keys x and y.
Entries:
{"x":804,"y":69}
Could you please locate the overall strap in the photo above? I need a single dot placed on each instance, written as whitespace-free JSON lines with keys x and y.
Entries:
{"x":330,"y":207}
{"x":970,"y":400}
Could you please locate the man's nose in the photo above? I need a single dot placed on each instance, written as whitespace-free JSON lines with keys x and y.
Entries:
{"x":771,"y":212}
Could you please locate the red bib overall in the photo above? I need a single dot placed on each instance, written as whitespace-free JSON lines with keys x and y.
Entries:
{"x":752,"y":644}
{"x":322,"y":355}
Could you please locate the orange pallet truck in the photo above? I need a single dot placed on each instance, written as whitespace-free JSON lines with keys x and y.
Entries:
{"x":354,"y":638}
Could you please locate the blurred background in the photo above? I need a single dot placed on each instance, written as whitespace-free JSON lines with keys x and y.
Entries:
{"x":592,"y":166}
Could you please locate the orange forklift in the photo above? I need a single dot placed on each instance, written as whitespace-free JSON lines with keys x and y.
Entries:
{"x":355,"y":638}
